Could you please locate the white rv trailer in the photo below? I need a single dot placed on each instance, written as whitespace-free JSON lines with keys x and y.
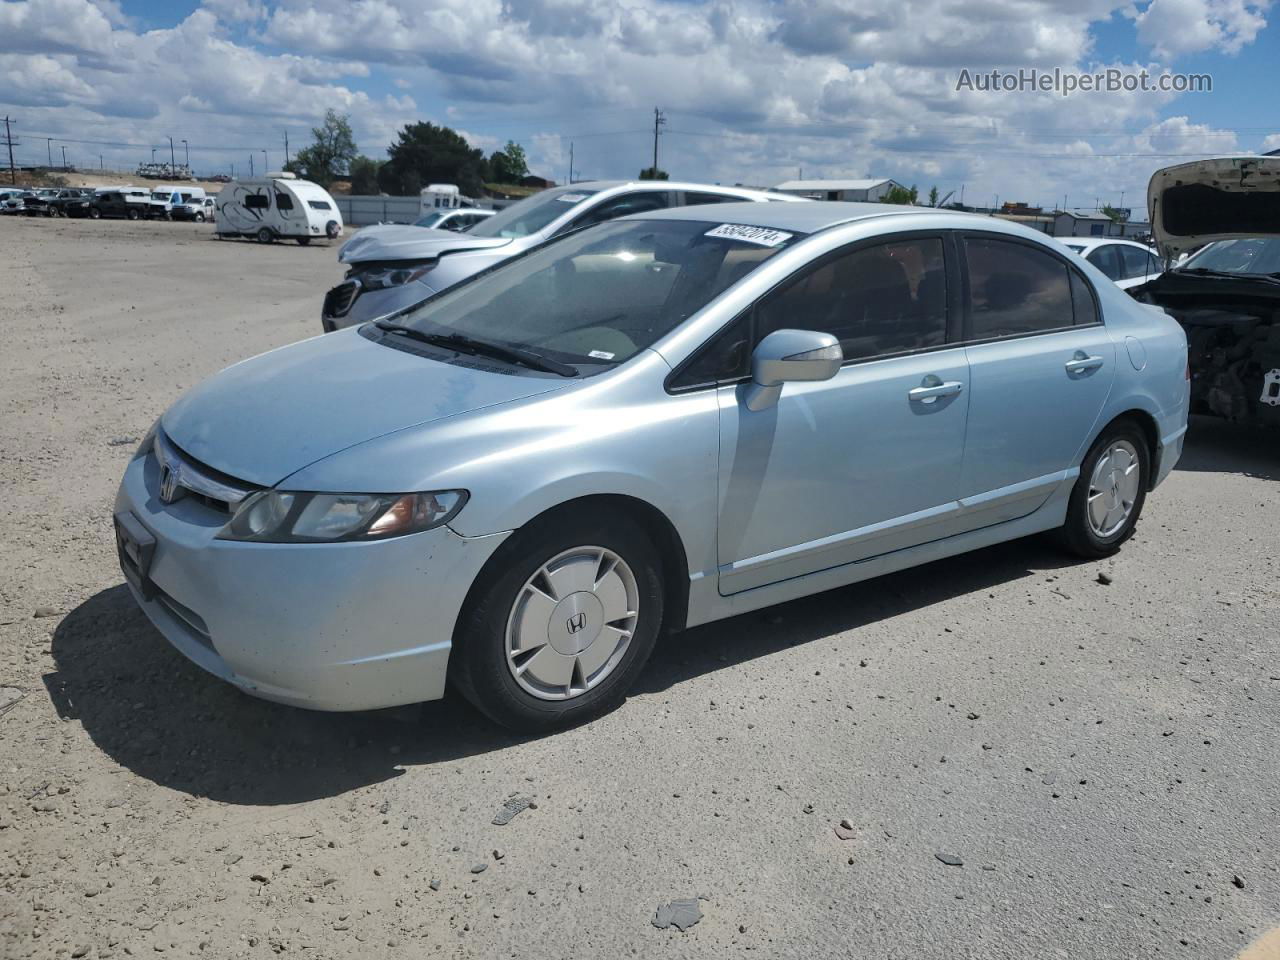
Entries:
{"x":278,"y":206}
{"x":438,"y":196}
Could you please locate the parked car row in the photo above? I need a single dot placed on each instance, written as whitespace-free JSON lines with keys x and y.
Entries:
{"x":130,"y":203}
{"x":628,"y":408}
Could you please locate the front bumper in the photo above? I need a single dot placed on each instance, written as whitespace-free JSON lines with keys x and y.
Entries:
{"x":349,"y":305}
{"x":335,"y":626}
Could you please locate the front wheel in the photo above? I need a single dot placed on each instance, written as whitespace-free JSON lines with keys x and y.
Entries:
{"x":303,"y":241}
{"x":95,"y":213}
{"x":199,"y":218}
{"x":561,"y":621}
{"x":1109,"y":494}
{"x":265,"y":235}
{"x":133,"y":214}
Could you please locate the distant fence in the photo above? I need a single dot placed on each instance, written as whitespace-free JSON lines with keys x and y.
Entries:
{"x":358,"y":211}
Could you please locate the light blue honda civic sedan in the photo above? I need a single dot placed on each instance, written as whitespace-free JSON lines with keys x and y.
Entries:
{"x":645,"y":425}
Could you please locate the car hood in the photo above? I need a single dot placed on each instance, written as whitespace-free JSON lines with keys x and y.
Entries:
{"x":1225,"y":198}
{"x":398,"y":241}
{"x":267,"y":417}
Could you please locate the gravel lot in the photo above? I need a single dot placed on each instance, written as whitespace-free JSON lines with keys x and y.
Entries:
{"x":1102,"y":758}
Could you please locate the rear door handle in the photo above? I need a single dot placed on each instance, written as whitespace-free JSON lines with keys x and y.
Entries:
{"x":1082,"y":364}
{"x":928,"y":394}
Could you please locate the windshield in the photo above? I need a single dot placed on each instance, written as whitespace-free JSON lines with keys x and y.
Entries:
{"x":1257,"y":255}
{"x":430,"y":220}
{"x":530,"y":214}
{"x":601,"y":295}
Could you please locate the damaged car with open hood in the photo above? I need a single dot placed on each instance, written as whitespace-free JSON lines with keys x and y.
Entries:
{"x":1225,"y":213}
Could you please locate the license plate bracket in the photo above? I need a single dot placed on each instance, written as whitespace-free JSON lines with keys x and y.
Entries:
{"x":136,"y":547}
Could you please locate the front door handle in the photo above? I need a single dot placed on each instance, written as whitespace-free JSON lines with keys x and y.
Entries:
{"x":1081,"y":363}
{"x":931,"y":393}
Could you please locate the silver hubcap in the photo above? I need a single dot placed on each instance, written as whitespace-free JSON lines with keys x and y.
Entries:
{"x":1113,"y":488}
{"x":572,"y":622}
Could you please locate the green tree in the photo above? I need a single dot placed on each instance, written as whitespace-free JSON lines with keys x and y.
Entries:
{"x":424,"y":153}
{"x":653,"y":173}
{"x":331,"y":152}
{"x":364,"y":176}
{"x":508,"y":165}
{"x":1118,"y":216}
{"x":933,"y":196}
{"x":901,"y":195}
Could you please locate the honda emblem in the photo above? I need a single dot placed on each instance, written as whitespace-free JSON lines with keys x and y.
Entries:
{"x":576,"y":622}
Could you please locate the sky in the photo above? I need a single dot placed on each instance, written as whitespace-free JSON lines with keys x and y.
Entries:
{"x":753,"y":91}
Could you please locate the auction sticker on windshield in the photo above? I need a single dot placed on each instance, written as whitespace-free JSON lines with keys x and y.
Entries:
{"x":760,"y":235}
{"x":572,"y":197}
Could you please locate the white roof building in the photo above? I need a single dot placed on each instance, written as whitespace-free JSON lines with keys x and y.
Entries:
{"x":855,"y":190}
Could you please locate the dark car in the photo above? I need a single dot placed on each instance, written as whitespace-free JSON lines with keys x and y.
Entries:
{"x":113,"y":203}
{"x":70,"y":203}
{"x":1219,"y":219}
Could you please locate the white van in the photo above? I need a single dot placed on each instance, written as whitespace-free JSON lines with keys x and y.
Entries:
{"x":438,"y":196}
{"x":278,"y":206}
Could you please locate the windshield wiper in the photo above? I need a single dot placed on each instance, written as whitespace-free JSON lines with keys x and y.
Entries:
{"x":464,"y":344}
{"x":1228,"y":275}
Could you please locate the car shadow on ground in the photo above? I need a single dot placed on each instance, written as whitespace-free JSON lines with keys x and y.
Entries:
{"x":1216,"y":446}
{"x":164,"y":719}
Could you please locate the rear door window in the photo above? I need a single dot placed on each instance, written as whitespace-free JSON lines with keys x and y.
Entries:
{"x":1106,"y":259}
{"x":693,"y":199}
{"x":1015,"y":289}
{"x":1135,"y":261}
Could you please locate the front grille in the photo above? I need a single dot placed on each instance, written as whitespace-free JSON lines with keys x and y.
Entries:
{"x":199,"y":481}
{"x":338,"y":301}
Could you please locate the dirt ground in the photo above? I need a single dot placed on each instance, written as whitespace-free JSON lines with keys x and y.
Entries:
{"x":1100,"y":760}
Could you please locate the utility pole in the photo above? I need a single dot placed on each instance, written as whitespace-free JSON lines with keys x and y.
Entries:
{"x":658,"y":121}
{"x":251,"y":166}
{"x":101,"y":164}
{"x":8,"y":138}
{"x":186,"y":149}
{"x":173,"y":162}
{"x":264,"y":163}
{"x":570,"y":162}
{"x":286,"y":148}
{"x":49,"y":149}
{"x":64,"y":158}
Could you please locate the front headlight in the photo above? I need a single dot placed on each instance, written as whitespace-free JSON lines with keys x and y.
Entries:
{"x":277,"y":516}
{"x":394,"y":276}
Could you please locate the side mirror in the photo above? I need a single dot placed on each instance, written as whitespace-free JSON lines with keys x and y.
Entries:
{"x":790,"y":356}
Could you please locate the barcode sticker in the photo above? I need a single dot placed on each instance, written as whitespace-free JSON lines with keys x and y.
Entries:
{"x":764,"y":236}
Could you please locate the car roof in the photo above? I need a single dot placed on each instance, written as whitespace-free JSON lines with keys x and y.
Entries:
{"x":602,"y":185}
{"x":807,"y":217}
{"x":1090,"y":242}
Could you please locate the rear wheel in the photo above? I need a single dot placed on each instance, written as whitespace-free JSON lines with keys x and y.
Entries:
{"x":132,"y":214}
{"x":1109,"y":493}
{"x":561,"y":621}
{"x":265,"y":235}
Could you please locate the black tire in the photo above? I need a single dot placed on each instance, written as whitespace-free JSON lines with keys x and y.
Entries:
{"x":478,"y":665}
{"x":1078,"y":535}
{"x":303,"y":241}
{"x":132,"y":214}
{"x":95,"y":213}
{"x":199,"y":218}
{"x":265,"y":235}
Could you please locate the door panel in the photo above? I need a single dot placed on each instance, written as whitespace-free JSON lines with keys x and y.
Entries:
{"x":1029,"y":415}
{"x":841,"y":470}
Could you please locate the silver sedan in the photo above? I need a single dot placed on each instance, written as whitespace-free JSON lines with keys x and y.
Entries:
{"x":650,"y":424}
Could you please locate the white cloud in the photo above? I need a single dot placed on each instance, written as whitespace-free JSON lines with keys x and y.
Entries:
{"x":1173,"y":28}
{"x":753,"y":89}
